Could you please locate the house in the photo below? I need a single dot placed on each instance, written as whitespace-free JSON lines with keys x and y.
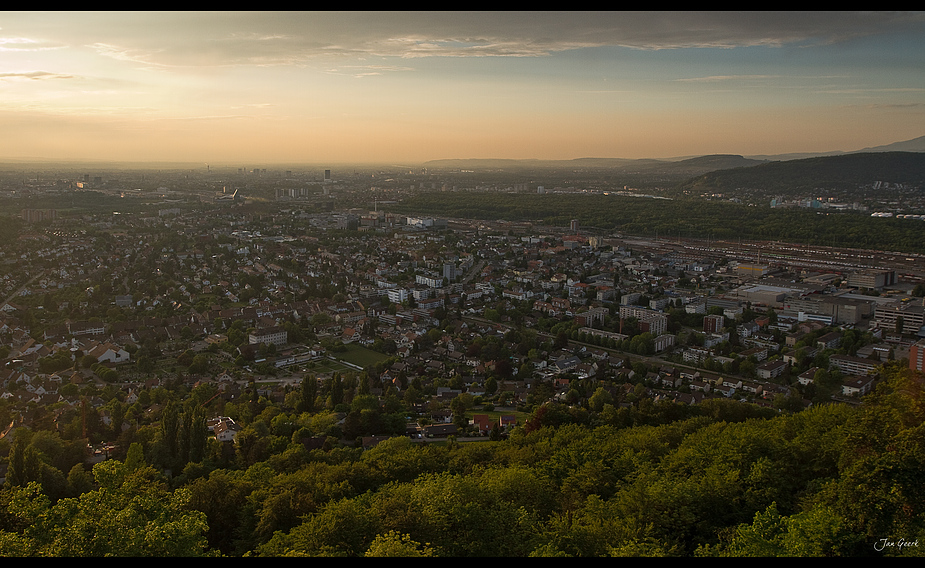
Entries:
{"x":857,"y":386}
{"x":275,"y":335}
{"x":482,"y":422}
{"x":772,"y":369}
{"x":853,"y":365}
{"x":225,"y":430}
{"x":566,"y":364}
{"x":442,"y":416}
{"x":725,"y":391}
{"x":668,"y":380}
{"x":729,"y":382}
{"x":794,"y":357}
{"x":85,"y":328}
{"x":807,"y":377}
{"x":109,"y":353}
{"x":829,"y":341}
{"x":700,"y":386}
{"x":760,"y":353}
{"x":440,"y":430}
{"x":747,"y":329}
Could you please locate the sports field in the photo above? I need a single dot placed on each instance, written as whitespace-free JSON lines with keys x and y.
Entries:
{"x":359,"y":355}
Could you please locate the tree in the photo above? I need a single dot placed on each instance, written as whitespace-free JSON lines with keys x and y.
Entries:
{"x":79,"y":480}
{"x":459,"y":406}
{"x":600,"y":398}
{"x":170,"y":432}
{"x":200,"y":364}
{"x":132,"y":514}
{"x":193,"y":435}
{"x":337,"y":390}
{"x":135,"y":457}
{"x":16,"y":472}
{"x":817,"y":532}
{"x":394,"y":544}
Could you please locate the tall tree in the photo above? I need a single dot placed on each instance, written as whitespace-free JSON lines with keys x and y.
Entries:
{"x":170,"y":430}
{"x":15,"y":475}
{"x":135,"y":457}
{"x":198,"y":434}
{"x":309,"y":394}
{"x":337,"y":390}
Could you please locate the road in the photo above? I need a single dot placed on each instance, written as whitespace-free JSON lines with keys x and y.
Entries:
{"x":23,"y":287}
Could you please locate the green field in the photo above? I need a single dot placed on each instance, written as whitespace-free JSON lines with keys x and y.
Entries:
{"x":496,"y":414}
{"x":359,"y":355}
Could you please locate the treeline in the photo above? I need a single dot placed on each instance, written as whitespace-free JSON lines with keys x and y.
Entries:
{"x":722,"y":478}
{"x":677,"y":218}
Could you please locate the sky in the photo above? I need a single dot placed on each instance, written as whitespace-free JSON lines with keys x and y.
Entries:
{"x":258,"y":88}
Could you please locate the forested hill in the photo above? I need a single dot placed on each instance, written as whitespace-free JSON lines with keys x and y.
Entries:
{"x":714,"y":162}
{"x":685,"y":167}
{"x":796,"y":177}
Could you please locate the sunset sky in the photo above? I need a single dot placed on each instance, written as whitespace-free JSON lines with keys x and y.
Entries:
{"x":405,"y":87}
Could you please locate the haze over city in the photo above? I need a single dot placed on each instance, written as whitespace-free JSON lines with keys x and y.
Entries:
{"x":275,"y":87}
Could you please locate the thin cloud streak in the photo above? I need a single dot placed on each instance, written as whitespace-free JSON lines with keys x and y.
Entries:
{"x":719,"y":78}
{"x":36,"y":75}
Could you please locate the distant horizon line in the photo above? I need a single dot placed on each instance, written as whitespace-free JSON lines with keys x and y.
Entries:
{"x":24,"y":160}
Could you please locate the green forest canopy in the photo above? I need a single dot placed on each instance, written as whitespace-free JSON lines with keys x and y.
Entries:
{"x":722,"y":478}
{"x":684,"y":218}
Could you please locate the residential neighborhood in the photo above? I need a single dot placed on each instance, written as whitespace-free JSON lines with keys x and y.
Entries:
{"x":422,"y":311}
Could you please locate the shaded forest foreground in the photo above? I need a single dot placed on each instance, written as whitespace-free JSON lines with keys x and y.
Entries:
{"x":659,"y":479}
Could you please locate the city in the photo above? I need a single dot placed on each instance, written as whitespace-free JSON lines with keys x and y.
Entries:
{"x":256,"y":293}
{"x":462,"y":284}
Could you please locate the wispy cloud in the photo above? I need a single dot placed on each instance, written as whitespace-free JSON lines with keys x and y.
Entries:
{"x":200,"y":118}
{"x":26,"y":44}
{"x":121,"y":53}
{"x":722,"y":78}
{"x":254,"y":105}
{"x":360,"y":71}
{"x":35,"y":75}
{"x":903,"y":106}
{"x":873,"y":90}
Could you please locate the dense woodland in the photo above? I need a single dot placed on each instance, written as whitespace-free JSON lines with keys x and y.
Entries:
{"x":722,"y":478}
{"x":678,"y":218}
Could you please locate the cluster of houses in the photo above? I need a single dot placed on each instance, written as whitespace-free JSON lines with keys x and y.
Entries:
{"x":429,"y":298}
